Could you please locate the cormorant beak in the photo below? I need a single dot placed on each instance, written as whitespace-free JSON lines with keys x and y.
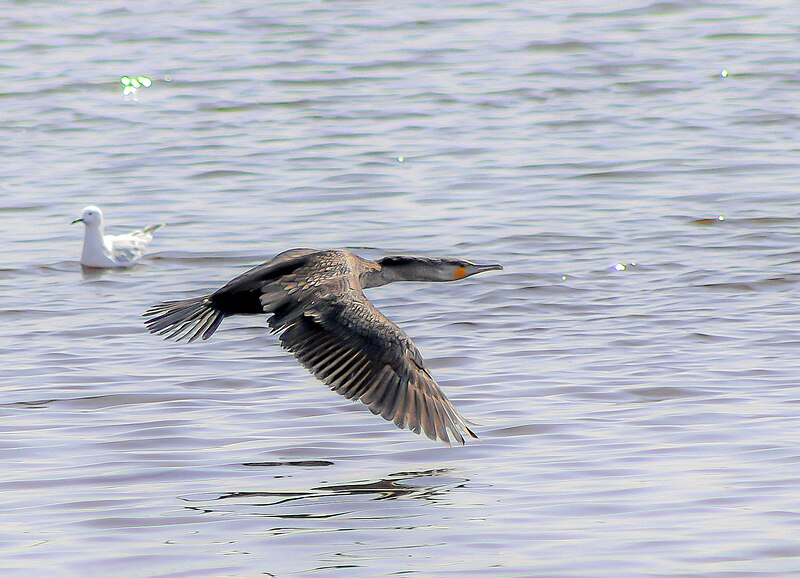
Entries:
{"x":475,"y":269}
{"x":77,"y":221}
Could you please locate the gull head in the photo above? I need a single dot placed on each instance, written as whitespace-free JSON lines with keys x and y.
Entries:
{"x":91,"y":216}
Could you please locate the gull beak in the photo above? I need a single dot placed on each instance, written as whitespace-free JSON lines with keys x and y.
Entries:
{"x":76,"y":221}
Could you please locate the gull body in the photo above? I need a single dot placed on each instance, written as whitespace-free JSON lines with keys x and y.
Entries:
{"x":101,"y":250}
{"x":316,"y":304}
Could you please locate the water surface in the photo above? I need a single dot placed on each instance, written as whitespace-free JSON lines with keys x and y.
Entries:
{"x":633,"y":371}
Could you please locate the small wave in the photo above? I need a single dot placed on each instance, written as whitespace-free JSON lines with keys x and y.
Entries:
{"x":297,"y":463}
{"x":221,"y":174}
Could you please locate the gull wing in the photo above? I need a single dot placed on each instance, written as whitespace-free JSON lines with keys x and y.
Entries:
{"x":130,"y":247}
{"x":345,"y":342}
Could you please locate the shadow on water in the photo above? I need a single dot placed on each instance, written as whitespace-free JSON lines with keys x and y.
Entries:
{"x":296,"y":463}
{"x":92,"y":273}
{"x":330,"y":501}
{"x":96,"y":273}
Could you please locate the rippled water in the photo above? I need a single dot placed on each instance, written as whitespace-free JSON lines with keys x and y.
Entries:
{"x":633,"y":370}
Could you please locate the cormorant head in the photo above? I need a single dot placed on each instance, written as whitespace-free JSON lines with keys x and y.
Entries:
{"x":409,"y":268}
{"x":462,"y":268}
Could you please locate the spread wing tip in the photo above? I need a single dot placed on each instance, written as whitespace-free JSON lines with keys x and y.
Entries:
{"x":434,"y":418}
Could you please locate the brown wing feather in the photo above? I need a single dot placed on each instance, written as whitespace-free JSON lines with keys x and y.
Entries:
{"x":344,"y":341}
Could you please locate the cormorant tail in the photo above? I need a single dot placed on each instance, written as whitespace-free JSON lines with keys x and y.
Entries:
{"x":184,"y":319}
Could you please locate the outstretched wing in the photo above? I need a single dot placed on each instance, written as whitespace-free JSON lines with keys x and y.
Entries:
{"x":345,"y":342}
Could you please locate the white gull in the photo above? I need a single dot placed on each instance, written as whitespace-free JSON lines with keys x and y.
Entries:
{"x":101,"y":250}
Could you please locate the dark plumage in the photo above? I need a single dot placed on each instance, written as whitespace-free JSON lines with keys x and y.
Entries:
{"x":318,"y":309}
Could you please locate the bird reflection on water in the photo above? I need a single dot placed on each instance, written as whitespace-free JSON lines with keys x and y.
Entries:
{"x":428,"y":485}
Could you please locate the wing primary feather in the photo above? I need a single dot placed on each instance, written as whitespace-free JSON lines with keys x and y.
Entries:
{"x":425,"y":419}
{"x":452,"y":422}
{"x":375,"y":393}
{"x":306,"y":345}
{"x":365,"y":392}
{"x":324,"y":358}
{"x":303,"y":338}
{"x":411,"y":420}
{"x":344,"y":371}
{"x":439,"y":424}
{"x":355,"y":370}
{"x":399,"y":417}
{"x":332,"y":365}
{"x":390,"y":392}
{"x":329,"y":371}
{"x":393,"y":392}
{"x":312,"y":361}
{"x":294,"y":334}
{"x":386,"y":391}
{"x":351,"y":387}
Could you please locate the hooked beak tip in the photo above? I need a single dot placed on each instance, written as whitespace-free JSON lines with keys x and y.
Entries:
{"x":492,"y":267}
{"x":76,"y":221}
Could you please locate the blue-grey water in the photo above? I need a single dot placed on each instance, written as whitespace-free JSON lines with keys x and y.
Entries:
{"x":634,"y":371}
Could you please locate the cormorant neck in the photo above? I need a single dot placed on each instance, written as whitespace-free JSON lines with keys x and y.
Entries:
{"x":392,"y":269}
